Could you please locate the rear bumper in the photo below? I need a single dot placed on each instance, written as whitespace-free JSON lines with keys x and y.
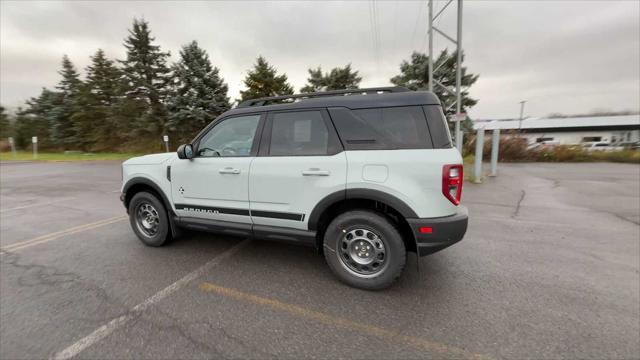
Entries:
{"x":445,"y":231}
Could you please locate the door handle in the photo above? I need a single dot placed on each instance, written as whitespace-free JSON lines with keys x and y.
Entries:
{"x":229,"y":170}
{"x":315,"y":172}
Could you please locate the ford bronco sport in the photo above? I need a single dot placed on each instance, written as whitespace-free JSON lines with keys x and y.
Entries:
{"x":365,"y":176}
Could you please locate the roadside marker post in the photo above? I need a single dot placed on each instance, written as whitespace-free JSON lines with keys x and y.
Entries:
{"x":495,"y":145}
{"x":165,"y":138}
{"x":34,"y":141}
{"x":477,"y":168}
{"x":12,"y":143}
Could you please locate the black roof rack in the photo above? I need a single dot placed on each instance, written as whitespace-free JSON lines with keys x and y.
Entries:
{"x":266,"y":100}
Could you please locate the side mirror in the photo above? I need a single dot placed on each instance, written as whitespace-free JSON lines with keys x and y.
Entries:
{"x":185,"y":151}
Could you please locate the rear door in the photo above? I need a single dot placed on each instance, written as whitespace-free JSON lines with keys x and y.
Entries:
{"x":300,"y":162}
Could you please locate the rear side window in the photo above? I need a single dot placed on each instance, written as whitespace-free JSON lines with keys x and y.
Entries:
{"x":438,"y":127}
{"x":382,"y":128}
{"x":299,"y":133}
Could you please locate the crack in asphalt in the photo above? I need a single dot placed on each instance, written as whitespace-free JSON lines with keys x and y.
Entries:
{"x":517,"y":210}
{"x":624,"y":218}
{"x":182,"y":328}
{"x":33,"y":275}
{"x":36,"y":274}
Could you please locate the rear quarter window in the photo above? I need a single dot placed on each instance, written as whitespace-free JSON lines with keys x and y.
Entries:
{"x":382,"y":128}
{"x":438,"y":127}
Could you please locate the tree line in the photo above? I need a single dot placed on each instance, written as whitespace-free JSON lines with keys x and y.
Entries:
{"x":129,"y":104}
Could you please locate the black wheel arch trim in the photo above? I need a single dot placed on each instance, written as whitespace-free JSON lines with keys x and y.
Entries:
{"x":156,"y":188}
{"x":358,"y":193}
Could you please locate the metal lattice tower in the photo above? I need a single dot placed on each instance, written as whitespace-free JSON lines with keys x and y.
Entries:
{"x":458,"y":42}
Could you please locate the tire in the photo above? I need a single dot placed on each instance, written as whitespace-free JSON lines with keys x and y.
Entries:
{"x":353,"y":242}
{"x":149,"y":220}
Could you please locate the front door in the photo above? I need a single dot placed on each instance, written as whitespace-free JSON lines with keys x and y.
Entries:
{"x":300,"y":162}
{"x":214,"y":184}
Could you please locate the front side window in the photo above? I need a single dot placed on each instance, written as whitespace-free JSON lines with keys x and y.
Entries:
{"x":231,"y":137}
{"x":299,"y":133}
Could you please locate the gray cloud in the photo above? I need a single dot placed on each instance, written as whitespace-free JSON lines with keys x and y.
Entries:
{"x":569,"y":57}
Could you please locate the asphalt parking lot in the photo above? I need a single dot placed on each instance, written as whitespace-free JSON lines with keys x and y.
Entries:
{"x":549,"y":268}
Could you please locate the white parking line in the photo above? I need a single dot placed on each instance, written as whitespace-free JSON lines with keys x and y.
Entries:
{"x":33,"y":205}
{"x":61,"y":233}
{"x":108,"y":328}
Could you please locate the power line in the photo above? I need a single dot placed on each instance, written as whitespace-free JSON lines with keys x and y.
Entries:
{"x":415,"y":27}
{"x":376,"y":33}
{"x":395,"y":26}
{"x":372,"y":25}
{"x":437,"y":23}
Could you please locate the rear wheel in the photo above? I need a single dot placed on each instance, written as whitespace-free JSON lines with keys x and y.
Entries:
{"x":364,"y":249}
{"x":149,"y":219}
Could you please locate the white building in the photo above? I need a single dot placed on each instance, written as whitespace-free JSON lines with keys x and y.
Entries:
{"x":571,"y":131}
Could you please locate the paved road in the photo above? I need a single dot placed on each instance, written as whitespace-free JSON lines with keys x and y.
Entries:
{"x":549,"y":269}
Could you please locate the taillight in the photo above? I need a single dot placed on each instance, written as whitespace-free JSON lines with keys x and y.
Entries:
{"x":452,"y":183}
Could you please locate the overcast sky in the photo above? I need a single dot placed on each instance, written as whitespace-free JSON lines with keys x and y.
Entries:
{"x":569,"y":57}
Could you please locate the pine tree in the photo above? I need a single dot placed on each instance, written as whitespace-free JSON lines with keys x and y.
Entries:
{"x":263,"y":81}
{"x":415,"y":76}
{"x":315,"y":82}
{"x":5,"y":125}
{"x":337,"y":79}
{"x":92,"y":121}
{"x":199,"y":94}
{"x":62,"y":130}
{"x":36,"y":119}
{"x":342,"y":78}
{"x":147,"y":76}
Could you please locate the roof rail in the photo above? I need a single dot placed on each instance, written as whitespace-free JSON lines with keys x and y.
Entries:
{"x":266,"y":100}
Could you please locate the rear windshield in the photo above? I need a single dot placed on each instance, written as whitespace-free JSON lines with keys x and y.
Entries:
{"x":389,"y":128}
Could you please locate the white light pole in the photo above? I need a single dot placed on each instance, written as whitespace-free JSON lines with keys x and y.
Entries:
{"x":477,"y":167}
{"x":495,"y":145}
{"x":521,"y":114}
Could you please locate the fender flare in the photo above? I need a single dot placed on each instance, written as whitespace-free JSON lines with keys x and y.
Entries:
{"x":163,"y":197}
{"x":358,"y":193}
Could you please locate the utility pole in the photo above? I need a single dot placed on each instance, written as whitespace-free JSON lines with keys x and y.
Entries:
{"x":521,"y":114}
{"x":430,"y":45}
{"x":459,"y":78}
{"x":458,"y":42}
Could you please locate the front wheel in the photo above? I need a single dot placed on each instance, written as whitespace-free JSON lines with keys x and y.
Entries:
{"x":364,"y":249}
{"x":149,"y":219}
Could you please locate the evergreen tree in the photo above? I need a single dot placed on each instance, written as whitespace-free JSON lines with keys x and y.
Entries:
{"x":5,"y":125}
{"x":315,"y":82}
{"x":263,"y":81}
{"x":337,"y":79}
{"x":415,"y":76}
{"x":199,"y":93}
{"x":92,"y":121}
{"x":36,"y":119}
{"x":147,"y":78}
{"x":62,"y":130}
